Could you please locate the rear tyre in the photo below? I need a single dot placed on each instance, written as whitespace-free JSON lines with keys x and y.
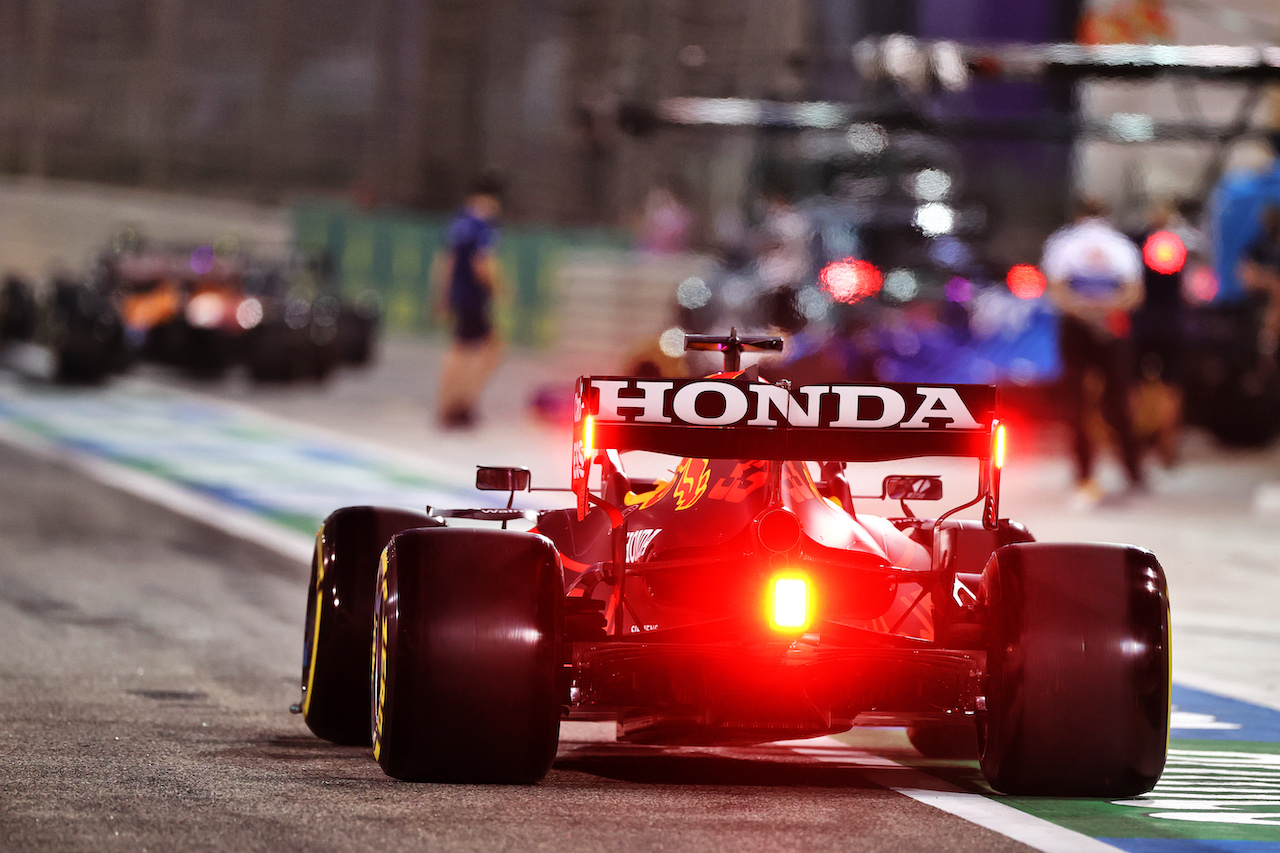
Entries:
{"x":467,"y":654}
{"x":337,"y":645}
{"x":1077,"y":688}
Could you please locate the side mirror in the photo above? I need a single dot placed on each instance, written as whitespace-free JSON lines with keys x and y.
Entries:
{"x":502,"y":479}
{"x":919,"y":488}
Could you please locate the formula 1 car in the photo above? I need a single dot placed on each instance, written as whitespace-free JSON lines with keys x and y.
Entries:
{"x":744,"y":599}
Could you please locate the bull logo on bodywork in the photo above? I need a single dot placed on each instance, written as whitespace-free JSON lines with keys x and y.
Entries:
{"x":691,"y":481}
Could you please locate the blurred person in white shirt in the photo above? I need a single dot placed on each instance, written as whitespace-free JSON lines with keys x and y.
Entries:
{"x":1094,"y":278}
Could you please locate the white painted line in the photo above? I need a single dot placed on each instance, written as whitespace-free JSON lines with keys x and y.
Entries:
{"x":236,"y":522}
{"x":975,"y":808}
{"x":986,"y":812}
{"x":453,"y":472}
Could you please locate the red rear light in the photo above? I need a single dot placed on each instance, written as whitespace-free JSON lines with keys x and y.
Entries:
{"x":588,"y":434}
{"x":998,"y":446}
{"x":790,"y":602}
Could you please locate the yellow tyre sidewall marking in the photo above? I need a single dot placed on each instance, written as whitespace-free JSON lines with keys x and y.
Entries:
{"x":379,"y":663}
{"x":315,"y":636}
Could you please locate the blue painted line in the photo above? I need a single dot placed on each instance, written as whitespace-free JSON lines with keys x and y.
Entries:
{"x":258,"y":464}
{"x":1191,"y":845}
{"x":1256,"y":723}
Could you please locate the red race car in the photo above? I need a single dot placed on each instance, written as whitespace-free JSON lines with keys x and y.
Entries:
{"x":743,"y":599}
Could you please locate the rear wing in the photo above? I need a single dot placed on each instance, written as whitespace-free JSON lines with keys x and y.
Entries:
{"x":733,"y":418}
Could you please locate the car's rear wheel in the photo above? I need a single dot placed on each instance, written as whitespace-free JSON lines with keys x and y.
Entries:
{"x":467,"y":654}
{"x":337,"y":646}
{"x":1077,"y":685}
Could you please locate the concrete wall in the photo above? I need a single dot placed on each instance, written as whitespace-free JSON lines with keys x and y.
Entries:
{"x":47,"y":225}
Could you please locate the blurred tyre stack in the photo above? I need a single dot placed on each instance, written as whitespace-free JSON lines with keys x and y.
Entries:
{"x":75,"y":321}
{"x":82,"y":328}
{"x":1230,"y":391}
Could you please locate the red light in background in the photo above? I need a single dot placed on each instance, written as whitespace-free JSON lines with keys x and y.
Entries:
{"x":850,"y":280}
{"x":1164,"y":252}
{"x":1025,"y":281}
{"x":1201,"y":285}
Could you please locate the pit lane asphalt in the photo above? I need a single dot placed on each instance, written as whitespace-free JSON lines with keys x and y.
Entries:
{"x":146,"y":664}
{"x":95,"y":586}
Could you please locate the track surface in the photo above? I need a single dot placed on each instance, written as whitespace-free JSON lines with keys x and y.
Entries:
{"x":146,"y":662}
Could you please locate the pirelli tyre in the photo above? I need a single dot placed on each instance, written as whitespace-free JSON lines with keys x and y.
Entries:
{"x":467,"y":654}
{"x":337,"y":647}
{"x":1077,"y":685}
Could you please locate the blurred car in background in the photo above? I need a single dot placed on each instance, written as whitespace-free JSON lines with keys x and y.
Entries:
{"x":74,"y":320}
{"x":208,"y":308}
{"x":203,"y":309}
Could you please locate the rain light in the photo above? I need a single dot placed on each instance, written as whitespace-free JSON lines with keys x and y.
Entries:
{"x":588,"y":434}
{"x":791,"y":604}
{"x":998,"y":446}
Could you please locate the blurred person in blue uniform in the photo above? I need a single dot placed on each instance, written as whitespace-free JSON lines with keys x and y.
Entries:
{"x":470,"y":277}
{"x":1094,"y":278}
{"x":1260,"y":273}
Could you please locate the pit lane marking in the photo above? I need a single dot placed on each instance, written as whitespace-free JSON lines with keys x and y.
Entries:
{"x":975,"y":808}
{"x":236,"y":522}
{"x":252,"y":475}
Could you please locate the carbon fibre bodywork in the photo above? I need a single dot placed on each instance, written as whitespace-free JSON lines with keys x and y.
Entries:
{"x":690,"y":656}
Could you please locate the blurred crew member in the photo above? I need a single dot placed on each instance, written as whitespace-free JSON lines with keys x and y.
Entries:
{"x":1159,"y":326}
{"x":1094,"y":278}
{"x":1260,"y":272}
{"x":471,"y":276}
{"x":785,"y":260}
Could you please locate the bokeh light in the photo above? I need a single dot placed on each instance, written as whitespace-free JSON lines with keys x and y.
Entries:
{"x":693,"y":293}
{"x":1025,"y":281}
{"x":959,"y":289}
{"x":867,"y":140}
{"x":932,"y":185}
{"x":671,"y":342}
{"x":249,"y":313}
{"x":202,"y":260}
{"x":813,"y":304}
{"x":935,"y":219}
{"x":850,"y":280}
{"x":1201,"y":285}
{"x":901,"y":285}
{"x":1164,"y":252}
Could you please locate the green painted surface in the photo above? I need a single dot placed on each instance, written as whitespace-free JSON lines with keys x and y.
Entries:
{"x":391,"y":253}
{"x":1211,"y":790}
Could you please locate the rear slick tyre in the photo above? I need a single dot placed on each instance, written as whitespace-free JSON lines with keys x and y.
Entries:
{"x":468,"y":650}
{"x":337,"y":643}
{"x":1077,"y":686}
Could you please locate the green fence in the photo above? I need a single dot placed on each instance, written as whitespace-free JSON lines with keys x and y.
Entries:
{"x":391,"y":253}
